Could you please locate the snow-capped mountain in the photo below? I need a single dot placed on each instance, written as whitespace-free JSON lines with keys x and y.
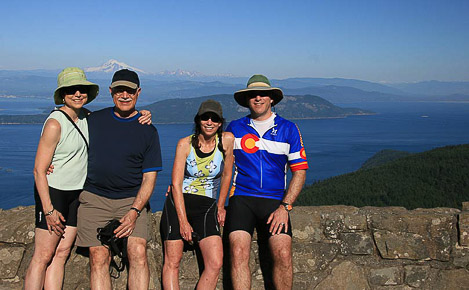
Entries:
{"x":111,"y":66}
{"x":181,"y":73}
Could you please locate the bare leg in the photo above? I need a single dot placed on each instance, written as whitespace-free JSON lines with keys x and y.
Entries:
{"x":44,"y":249}
{"x":212,"y":252}
{"x":280,"y":245}
{"x":172,"y":258}
{"x":100,"y":259}
{"x":55,"y":271}
{"x":139,"y":273}
{"x":240,"y":249}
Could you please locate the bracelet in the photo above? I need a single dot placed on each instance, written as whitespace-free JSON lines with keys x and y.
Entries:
{"x":137,"y":210}
{"x":50,"y":212}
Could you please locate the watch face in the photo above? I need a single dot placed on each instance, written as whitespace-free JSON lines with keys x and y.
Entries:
{"x":288,"y":207}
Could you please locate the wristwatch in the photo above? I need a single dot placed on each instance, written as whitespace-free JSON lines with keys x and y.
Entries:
{"x":137,"y":210}
{"x":288,"y":207}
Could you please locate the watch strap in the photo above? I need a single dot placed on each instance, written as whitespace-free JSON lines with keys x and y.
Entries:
{"x":137,"y":210}
{"x":288,"y":207}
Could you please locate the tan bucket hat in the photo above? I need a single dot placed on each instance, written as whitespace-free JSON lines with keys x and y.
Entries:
{"x":74,"y":76}
{"x":258,"y":83}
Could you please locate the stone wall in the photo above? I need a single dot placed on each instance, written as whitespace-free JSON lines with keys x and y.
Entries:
{"x":334,"y":247}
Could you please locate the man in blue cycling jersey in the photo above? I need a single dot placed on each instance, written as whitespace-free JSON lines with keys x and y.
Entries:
{"x":266,"y":145}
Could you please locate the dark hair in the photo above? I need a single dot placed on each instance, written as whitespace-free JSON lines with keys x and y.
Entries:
{"x":198,"y":130}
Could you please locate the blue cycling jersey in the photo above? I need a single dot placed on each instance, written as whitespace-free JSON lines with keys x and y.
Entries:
{"x":261,"y":162}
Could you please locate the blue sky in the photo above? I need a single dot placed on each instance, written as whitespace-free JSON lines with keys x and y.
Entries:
{"x":375,"y":40}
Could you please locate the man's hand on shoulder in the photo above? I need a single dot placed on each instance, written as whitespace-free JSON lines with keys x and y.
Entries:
{"x":145,"y":118}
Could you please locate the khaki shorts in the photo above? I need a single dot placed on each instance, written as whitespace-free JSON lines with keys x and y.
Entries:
{"x":95,"y":211}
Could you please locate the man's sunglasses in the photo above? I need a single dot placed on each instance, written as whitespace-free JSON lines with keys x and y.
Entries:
{"x":119,"y":91}
{"x":73,"y":89}
{"x":213,"y":117}
{"x":254,"y":94}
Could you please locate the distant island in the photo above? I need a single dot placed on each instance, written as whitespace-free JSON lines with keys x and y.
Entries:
{"x":291,"y":107}
{"x":183,"y":110}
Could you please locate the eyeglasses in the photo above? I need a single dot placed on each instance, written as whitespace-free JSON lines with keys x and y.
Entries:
{"x":73,"y":89}
{"x":214,"y":117}
{"x":119,"y":91}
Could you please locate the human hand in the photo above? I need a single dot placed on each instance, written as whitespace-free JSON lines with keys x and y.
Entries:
{"x":278,"y":220}
{"x":221,"y":215}
{"x":50,"y":169}
{"x":186,"y":231}
{"x":55,"y":223}
{"x":145,"y":118}
{"x":127,"y":226}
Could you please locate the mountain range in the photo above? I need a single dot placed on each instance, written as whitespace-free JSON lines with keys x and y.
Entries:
{"x":185,"y":84}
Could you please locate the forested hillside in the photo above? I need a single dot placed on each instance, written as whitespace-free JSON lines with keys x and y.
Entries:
{"x":291,"y":107}
{"x":436,"y":178}
{"x":382,"y":157}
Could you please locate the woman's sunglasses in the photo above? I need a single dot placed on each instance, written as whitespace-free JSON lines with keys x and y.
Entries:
{"x":72,"y":90}
{"x":213,"y":117}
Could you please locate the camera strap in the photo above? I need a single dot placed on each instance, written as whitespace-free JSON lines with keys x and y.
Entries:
{"x":116,"y":246}
{"x":122,"y":254}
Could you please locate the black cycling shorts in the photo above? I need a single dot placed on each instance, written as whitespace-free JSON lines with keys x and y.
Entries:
{"x":65,"y":201}
{"x":248,"y":212}
{"x":201,"y":213}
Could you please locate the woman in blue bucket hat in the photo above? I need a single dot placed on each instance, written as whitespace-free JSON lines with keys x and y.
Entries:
{"x":63,"y":143}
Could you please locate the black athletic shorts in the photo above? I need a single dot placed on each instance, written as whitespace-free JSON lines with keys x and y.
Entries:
{"x":201,"y":213}
{"x":248,"y":212}
{"x":65,"y":201}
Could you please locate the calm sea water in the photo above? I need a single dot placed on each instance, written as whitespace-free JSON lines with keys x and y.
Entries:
{"x":333,"y":146}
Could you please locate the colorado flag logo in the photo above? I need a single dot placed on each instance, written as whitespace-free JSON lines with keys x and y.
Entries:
{"x":248,"y":143}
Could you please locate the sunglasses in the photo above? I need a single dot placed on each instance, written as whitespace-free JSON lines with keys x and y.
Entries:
{"x":214,"y":117}
{"x":259,"y":93}
{"x":73,"y":89}
{"x":119,"y":91}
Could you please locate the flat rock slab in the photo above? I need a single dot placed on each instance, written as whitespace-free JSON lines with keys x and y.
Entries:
{"x":18,"y":226}
{"x":346,"y":275}
{"x":10,"y":260}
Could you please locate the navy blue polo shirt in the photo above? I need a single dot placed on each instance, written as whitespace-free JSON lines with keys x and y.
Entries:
{"x":121,"y":150}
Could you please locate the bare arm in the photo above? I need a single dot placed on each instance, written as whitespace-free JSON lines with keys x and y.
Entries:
{"x":296,"y":184}
{"x":143,"y":196}
{"x":182,"y":151}
{"x":45,"y":151}
{"x":228,"y":142}
{"x":279,"y":218}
